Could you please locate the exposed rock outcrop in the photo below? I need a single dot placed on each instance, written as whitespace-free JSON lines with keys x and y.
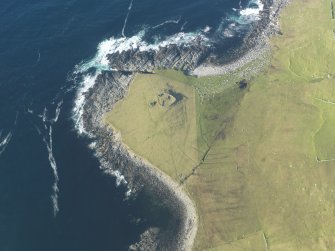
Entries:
{"x":185,"y":57}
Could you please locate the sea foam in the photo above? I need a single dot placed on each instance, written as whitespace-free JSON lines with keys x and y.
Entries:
{"x":57,"y":111}
{"x":52,"y":161}
{"x":5,"y":141}
{"x":127,"y":16}
{"x":252,"y":13}
{"x":173,"y":21}
{"x":47,"y":137}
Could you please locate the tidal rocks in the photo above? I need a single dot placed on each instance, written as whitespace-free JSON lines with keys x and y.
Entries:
{"x":185,"y":57}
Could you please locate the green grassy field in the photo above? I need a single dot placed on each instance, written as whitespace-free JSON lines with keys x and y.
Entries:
{"x":164,"y":135}
{"x":264,"y":156}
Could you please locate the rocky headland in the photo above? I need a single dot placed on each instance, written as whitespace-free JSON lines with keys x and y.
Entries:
{"x":112,"y":86}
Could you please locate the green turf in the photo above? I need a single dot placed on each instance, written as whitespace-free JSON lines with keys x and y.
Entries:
{"x":324,"y":138}
{"x":165,"y":135}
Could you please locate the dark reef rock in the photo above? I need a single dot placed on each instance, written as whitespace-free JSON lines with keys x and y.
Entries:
{"x":170,"y":57}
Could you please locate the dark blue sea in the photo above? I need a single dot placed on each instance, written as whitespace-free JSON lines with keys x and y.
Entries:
{"x":53,"y":194}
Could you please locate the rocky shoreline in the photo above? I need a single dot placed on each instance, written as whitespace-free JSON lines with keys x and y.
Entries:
{"x":114,"y":155}
{"x":256,"y":46}
{"x":111,"y":86}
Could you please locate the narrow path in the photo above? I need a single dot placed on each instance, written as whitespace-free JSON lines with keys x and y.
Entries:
{"x":324,"y":160}
{"x":325,"y":101}
{"x":194,"y":169}
{"x":265,"y":242}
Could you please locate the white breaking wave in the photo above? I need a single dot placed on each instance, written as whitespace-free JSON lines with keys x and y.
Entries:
{"x":126,"y":20}
{"x":57,"y":112}
{"x":38,"y":57}
{"x":92,"y":145}
{"x":241,"y":19}
{"x":52,"y":161}
{"x":230,"y":31}
{"x":128,"y":193}
{"x":78,"y":110}
{"x":5,"y":141}
{"x":43,"y":116}
{"x":252,"y":13}
{"x":173,"y":21}
{"x":207,"y":29}
{"x":120,"y":180}
{"x":47,"y":139}
{"x":183,"y":26}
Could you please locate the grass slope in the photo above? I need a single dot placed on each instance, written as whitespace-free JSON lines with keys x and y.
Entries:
{"x":164,"y":135}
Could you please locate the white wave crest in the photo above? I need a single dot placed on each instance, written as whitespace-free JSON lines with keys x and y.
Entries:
{"x":207,"y":29}
{"x":44,"y":116}
{"x":52,"y":161}
{"x":127,"y":16}
{"x":92,"y":145}
{"x":57,"y":112}
{"x":252,"y":13}
{"x":241,"y":18}
{"x":120,"y":180}
{"x":78,"y":110}
{"x":183,"y":26}
{"x":118,"y":45}
{"x":173,"y":21}
{"x":5,"y":141}
{"x":49,"y":146}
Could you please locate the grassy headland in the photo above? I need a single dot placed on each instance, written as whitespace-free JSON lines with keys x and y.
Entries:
{"x":258,"y":162}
